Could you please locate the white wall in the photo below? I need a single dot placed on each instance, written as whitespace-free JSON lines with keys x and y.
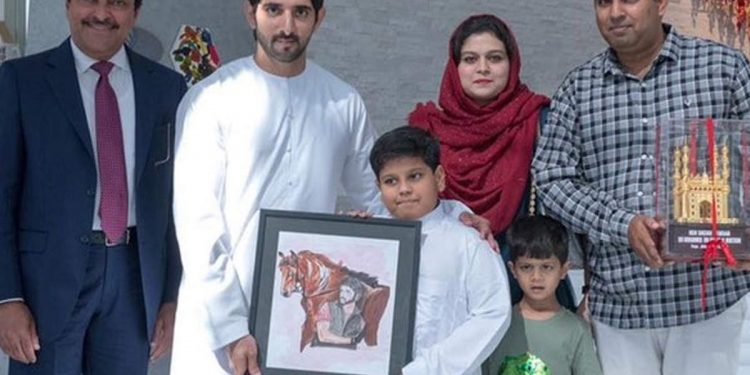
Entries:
{"x":2,"y":10}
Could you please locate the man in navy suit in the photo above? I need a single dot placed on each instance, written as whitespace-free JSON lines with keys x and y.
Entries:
{"x":89,"y":265}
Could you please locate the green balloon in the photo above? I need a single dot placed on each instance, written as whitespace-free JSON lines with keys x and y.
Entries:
{"x":524,"y":364}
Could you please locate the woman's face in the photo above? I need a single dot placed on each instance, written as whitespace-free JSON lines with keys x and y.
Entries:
{"x":483,"y":67}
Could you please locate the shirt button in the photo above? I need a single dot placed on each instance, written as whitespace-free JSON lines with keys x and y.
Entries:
{"x":640,"y":193}
{"x":85,"y":239}
{"x":644,"y":157}
{"x":645,"y":121}
{"x":90,"y":192}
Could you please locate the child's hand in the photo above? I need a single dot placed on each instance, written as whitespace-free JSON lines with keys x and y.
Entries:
{"x":357,"y":213}
{"x":583,"y":308}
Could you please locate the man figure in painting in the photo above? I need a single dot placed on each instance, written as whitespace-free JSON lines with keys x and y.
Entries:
{"x":319,"y":280}
{"x":463,"y":301}
{"x":594,"y":169}
{"x":340,"y":322}
{"x":86,"y":134}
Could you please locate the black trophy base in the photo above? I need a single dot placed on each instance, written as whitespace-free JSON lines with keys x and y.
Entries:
{"x":687,"y":242}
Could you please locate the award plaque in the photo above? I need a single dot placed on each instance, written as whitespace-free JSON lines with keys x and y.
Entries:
{"x":703,"y":188}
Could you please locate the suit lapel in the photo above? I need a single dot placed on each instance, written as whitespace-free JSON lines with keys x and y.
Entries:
{"x":63,"y":78}
{"x":143,"y":86}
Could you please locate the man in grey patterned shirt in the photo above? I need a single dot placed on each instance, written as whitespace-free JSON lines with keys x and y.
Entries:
{"x":595,"y":171}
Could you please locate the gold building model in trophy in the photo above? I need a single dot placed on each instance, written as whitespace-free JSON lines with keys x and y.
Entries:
{"x":693,"y":192}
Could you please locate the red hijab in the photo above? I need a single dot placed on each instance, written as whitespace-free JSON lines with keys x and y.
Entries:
{"x":486,"y":151}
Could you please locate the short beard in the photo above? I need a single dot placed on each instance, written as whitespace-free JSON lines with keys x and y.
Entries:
{"x":281,"y":56}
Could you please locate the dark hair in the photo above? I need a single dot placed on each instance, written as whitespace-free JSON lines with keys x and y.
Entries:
{"x":483,"y":23}
{"x":317,"y":4}
{"x":355,"y":285}
{"x":538,"y":237}
{"x":405,"y":141}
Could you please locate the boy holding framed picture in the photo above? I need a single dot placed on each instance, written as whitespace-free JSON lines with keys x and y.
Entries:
{"x":463,"y":303}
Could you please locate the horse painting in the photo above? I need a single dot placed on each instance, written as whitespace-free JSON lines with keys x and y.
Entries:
{"x":318,"y":279}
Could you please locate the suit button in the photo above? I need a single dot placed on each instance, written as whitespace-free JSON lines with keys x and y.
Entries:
{"x":85,"y":239}
{"x":91,"y":192}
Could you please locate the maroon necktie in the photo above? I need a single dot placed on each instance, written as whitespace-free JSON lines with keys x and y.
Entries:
{"x":113,"y":208}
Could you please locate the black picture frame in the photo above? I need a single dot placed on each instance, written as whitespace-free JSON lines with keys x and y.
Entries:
{"x":384,"y":330}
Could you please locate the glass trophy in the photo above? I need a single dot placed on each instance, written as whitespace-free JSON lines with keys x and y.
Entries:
{"x":703,"y":187}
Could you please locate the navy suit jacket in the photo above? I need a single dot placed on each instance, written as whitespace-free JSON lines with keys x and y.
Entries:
{"x":48,"y":181}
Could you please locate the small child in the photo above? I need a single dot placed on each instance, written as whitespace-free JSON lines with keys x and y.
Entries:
{"x":540,"y":328}
{"x":463,"y":303}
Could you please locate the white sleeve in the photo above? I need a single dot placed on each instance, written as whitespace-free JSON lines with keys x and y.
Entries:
{"x":455,"y":208}
{"x":205,"y":249}
{"x":358,"y":178}
{"x":489,"y":309}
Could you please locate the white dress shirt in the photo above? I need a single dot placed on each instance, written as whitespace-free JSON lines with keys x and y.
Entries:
{"x":463,"y":300}
{"x":248,"y":140}
{"x":121,"y":80}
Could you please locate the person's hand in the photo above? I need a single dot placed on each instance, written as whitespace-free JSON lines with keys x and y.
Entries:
{"x":482,"y":226}
{"x":163,"y":332}
{"x":740,"y":265}
{"x":243,"y":356}
{"x":357,"y":213}
{"x":644,"y":233}
{"x":18,"y":338}
{"x":583,"y":309}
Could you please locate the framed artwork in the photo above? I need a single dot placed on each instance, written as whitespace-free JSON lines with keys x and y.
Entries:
{"x":334,"y":294}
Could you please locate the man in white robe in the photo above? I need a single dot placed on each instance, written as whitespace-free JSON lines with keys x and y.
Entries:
{"x":272,"y":130}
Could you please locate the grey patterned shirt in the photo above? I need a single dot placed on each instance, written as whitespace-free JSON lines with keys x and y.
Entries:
{"x":594,"y":168}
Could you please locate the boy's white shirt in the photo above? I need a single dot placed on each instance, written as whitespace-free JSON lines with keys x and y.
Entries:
{"x":463,"y":301}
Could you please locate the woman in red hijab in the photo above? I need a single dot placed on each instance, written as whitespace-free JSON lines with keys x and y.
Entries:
{"x":487,"y":122}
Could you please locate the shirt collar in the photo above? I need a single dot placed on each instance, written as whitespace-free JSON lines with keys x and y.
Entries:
{"x":272,"y":76}
{"x":434,"y":218}
{"x":84,"y":62}
{"x":670,"y":51}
